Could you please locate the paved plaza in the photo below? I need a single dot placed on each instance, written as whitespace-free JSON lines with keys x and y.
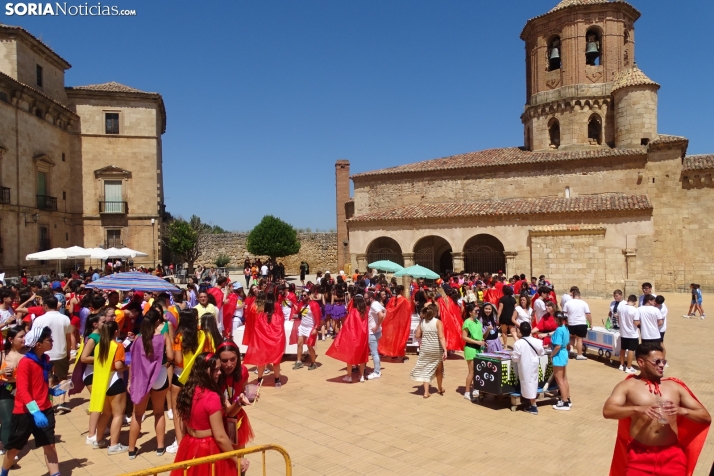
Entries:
{"x":385,"y":427}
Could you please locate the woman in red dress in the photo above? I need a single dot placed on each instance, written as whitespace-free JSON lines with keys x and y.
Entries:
{"x":351,"y":345}
{"x":201,"y":409}
{"x":267,"y":342}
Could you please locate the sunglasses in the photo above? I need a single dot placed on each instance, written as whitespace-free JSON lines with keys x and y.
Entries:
{"x":658,"y":362}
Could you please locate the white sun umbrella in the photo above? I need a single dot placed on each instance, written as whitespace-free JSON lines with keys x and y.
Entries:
{"x":58,"y":254}
{"x":124,"y":253}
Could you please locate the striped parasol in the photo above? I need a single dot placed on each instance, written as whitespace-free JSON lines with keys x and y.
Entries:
{"x":133,"y":281}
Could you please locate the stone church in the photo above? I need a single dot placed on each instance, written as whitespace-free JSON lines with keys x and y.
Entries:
{"x":79,"y":165}
{"x":594,"y":197}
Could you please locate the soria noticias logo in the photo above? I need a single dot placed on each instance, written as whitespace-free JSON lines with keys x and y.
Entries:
{"x":65,"y":9}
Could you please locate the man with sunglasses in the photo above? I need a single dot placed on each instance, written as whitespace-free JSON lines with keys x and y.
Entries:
{"x":648,"y":406}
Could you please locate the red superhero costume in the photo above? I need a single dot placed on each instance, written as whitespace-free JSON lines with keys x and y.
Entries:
{"x":351,"y":345}
{"x":396,"y":327}
{"x":450,"y":316}
{"x":249,"y":317}
{"x":267,"y":343}
{"x":231,"y":392}
{"x":642,"y":459}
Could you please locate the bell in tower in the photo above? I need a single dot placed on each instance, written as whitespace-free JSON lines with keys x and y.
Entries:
{"x":592,"y":50}
{"x":554,"y":54}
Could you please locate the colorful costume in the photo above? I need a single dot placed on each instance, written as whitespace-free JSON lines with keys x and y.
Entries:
{"x":267,"y":344}
{"x":633,"y":458}
{"x":450,"y":316}
{"x":396,"y":327}
{"x":352,"y":343}
{"x":237,"y":427}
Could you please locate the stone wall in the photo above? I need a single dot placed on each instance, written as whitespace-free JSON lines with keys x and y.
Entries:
{"x":319,"y":250}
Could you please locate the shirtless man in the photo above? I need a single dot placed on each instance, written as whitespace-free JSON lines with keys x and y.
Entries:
{"x":650,"y":406}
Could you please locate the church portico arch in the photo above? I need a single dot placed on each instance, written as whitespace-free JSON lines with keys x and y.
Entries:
{"x":385,"y":248}
{"x":484,"y":253}
{"x":433,"y":252}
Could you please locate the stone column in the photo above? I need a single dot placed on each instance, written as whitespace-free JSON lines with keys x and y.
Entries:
{"x":342,"y":196}
{"x":362,"y":262}
{"x":510,"y":262}
{"x":458,"y":261}
{"x":408,"y":259}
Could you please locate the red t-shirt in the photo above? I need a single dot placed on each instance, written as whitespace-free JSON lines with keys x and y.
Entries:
{"x":205,"y":404}
{"x":31,"y":386}
{"x":36,"y":310}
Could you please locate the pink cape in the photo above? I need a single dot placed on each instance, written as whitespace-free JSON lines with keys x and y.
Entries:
{"x":351,"y":345}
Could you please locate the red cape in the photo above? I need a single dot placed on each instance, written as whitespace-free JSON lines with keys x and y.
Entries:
{"x":249,"y":317}
{"x":691,"y":438}
{"x":396,"y":327}
{"x":217,"y":293}
{"x":450,"y":315}
{"x":267,"y":343}
{"x":228,"y":310}
{"x":351,"y":345}
{"x":317,"y":318}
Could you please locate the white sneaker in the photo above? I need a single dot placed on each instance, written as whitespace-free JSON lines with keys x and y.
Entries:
{"x":72,"y":354}
{"x":170,"y":414}
{"x":467,"y":395}
{"x":631,"y":370}
{"x":347,"y":379}
{"x":90,"y":440}
{"x":361,"y":379}
{"x":621,"y":368}
{"x":172,"y":448}
{"x":127,"y":420}
{"x":117,"y":449}
{"x":580,"y":357}
{"x":374,"y":375}
{"x":475,"y":394}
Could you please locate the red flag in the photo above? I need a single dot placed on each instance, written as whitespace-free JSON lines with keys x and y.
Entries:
{"x":451,"y":319}
{"x":351,"y":345}
{"x":267,"y":343}
{"x":396,"y":327}
{"x":691,"y":436}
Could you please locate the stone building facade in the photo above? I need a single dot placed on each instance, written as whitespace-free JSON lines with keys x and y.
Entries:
{"x":595,"y":197}
{"x":78,"y":165}
{"x":318,"y":250}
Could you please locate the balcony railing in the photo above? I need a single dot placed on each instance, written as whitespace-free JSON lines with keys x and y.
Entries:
{"x":45,"y":202}
{"x":4,"y":195}
{"x":113,"y":207}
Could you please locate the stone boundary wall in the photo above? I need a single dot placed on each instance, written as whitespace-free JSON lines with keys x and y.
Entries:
{"x":319,"y":250}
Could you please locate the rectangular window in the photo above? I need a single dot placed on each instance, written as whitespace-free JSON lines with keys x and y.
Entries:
{"x":113,"y":238}
{"x":63,"y":157}
{"x":112,"y":197}
{"x":38,"y":69}
{"x":44,"y":238}
{"x":111,"y":122}
{"x":41,"y":183}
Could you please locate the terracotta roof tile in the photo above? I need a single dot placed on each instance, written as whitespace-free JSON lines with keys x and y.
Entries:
{"x":572,"y":3}
{"x":631,"y":77}
{"x":698,"y":162}
{"x":111,"y":86}
{"x":500,"y":157}
{"x":512,"y":207}
{"x":666,"y":138}
{"x":579,"y":3}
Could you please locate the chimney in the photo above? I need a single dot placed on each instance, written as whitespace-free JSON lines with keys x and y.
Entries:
{"x":342,"y":196}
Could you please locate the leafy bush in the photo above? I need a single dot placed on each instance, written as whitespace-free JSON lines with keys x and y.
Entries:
{"x":222,"y":261}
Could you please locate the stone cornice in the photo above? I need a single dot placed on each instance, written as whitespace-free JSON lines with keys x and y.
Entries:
{"x":572,"y":13}
{"x":563,"y":230}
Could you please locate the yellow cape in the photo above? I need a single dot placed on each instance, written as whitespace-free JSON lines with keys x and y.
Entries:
{"x":188,"y":359}
{"x":100,"y":379}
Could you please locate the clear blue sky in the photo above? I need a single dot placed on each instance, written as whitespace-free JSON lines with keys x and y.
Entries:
{"x":262,"y":97}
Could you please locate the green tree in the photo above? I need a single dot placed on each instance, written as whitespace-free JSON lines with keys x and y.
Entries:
{"x":183,"y":238}
{"x":273,"y":237}
{"x":222,"y":260}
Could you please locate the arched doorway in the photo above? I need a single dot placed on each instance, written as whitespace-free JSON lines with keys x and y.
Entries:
{"x":484,"y":254}
{"x":385,"y":248}
{"x":433,"y":252}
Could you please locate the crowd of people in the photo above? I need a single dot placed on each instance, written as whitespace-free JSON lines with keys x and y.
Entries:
{"x":179,"y":354}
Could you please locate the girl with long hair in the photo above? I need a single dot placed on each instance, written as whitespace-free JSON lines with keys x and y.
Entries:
{"x":14,"y":350}
{"x":200,"y":408}
{"x":234,"y":377}
{"x":187,"y":344}
{"x":209,"y":326}
{"x":547,"y":325}
{"x":472,"y":334}
{"x":151,"y":355}
{"x":351,"y":345}
{"x":83,"y":373}
{"x":339,"y":310}
{"x":432,"y":351}
{"x":489,"y":324}
{"x":560,"y":340}
{"x":506,"y":309}
{"x":309,"y":314}
{"x":109,"y":389}
{"x":267,"y":343}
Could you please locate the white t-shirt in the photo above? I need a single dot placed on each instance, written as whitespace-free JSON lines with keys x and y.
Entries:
{"x":264,"y":270}
{"x":576,"y":310}
{"x":566,"y":297}
{"x":640,"y":300}
{"x":374,"y":309}
{"x":524,"y":315}
{"x":60,"y":327}
{"x":663,"y":309}
{"x":628,"y":315}
{"x":539,"y":309}
{"x":649,"y":315}
{"x":5,"y":315}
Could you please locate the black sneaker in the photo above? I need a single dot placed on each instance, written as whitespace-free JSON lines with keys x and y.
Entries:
{"x":132,"y":454}
{"x":533,"y":410}
{"x":159,"y":452}
{"x":562,"y":406}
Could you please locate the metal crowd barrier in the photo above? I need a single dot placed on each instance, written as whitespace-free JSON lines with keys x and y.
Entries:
{"x":185,"y":465}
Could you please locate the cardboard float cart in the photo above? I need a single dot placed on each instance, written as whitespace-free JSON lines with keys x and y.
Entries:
{"x":606,"y":342}
{"x":497,"y":374}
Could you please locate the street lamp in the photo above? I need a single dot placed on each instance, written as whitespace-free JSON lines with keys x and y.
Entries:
{"x":34,"y":217}
{"x":153,"y":240}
